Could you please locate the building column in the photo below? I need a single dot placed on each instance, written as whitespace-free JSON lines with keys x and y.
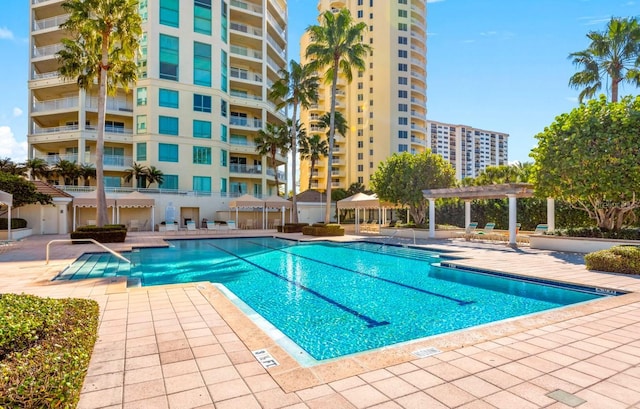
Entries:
{"x":513,"y":219}
{"x":467,"y":213}
{"x":82,"y":109}
{"x":432,"y":218}
{"x":551,"y":214}
{"x":81,"y":148}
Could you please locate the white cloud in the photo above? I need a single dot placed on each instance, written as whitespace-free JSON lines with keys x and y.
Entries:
{"x":17,"y":112}
{"x":10,"y":147}
{"x":5,"y":34}
{"x":572,"y":99}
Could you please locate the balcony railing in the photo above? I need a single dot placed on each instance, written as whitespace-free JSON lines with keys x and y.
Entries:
{"x":50,"y":22}
{"x":249,"y":123}
{"x":281,"y":31}
{"x":246,"y":52}
{"x":278,"y":8}
{"x":108,"y":160}
{"x":281,"y":175}
{"x":44,"y":75}
{"x":242,"y":94}
{"x":47,"y":50}
{"x":56,"y":104}
{"x":240,"y":168}
{"x":276,"y":46}
{"x":246,"y":6}
{"x":244,"y":28}
{"x":246,"y":75}
{"x":274,"y":65}
{"x":112,"y":104}
{"x":70,"y":128}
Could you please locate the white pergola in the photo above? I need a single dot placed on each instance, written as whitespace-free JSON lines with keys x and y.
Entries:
{"x":512,"y":191}
{"x":6,"y":199}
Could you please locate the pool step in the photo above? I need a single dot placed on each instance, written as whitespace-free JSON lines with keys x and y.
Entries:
{"x":409,"y":253}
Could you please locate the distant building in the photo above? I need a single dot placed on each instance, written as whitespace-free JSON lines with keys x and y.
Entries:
{"x":470,"y":150}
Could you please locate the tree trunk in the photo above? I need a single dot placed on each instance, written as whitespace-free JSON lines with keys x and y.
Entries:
{"x":101,"y":198}
{"x":332,"y":131}
{"x":275,"y":172}
{"x":294,"y":149}
{"x":313,"y":164}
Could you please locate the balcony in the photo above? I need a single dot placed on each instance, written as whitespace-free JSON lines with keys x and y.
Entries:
{"x":276,"y":46}
{"x":243,"y":28}
{"x":56,"y":104}
{"x":245,"y":122}
{"x":72,"y":128}
{"x":44,"y":75}
{"x":247,"y":169}
{"x":47,"y":50}
{"x":51,"y":22}
{"x":246,"y":75}
{"x":282,"y":177}
{"x":279,"y":29}
{"x":246,"y":52}
{"x":245,"y":95}
{"x":122,"y":105}
{"x":246,"y":6}
{"x":273,"y":64}
{"x":113,"y":161}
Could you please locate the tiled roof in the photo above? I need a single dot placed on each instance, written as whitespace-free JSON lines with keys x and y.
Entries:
{"x":52,"y":191}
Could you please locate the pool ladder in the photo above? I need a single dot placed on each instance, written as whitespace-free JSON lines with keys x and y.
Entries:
{"x":386,"y":240}
{"x":120,"y":256}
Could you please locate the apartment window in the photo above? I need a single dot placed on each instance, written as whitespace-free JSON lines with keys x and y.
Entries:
{"x":201,"y":103}
{"x":143,"y":10}
{"x":360,"y":156}
{"x":360,"y":97}
{"x":370,"y":165}
{"x":360,"y":14}
{"x":169,"y":60}
{"x":223,"y":157}
{"x":223,"y":71}
{"x":202,"y":64}
{"x":360,"y":109}
{"x":142,"y":57}
{"x":202,"y":184}
{"x":370,"y":152}
{"x":402,"y":13}
{"x":169,"y":182}
{"x":223,"y":186}
{"x":360,"y":168}
{"x":370,"y":102}
{"x":370,"y":3}
{"x":223,"y":108}
{"x":223,"y":132}
{"x":169,"y":12}
{"x":370,"y":16}
{"x":168,"y":98}
{"x":371,"y":139}
{"x":403,"y":53}
{"x":141,"y":96}
{"x":360,"y":132}
{"x":370,"y":28}
{"x":403,"y":107}
{"x":223,"y":21}
{"x":360,"y":121}
{"x":403,"y":120}
{"x":403,"y":147}
{"x":402,"y":94}
{"x":168,"y":125}
{"x":402,"y":1}
{"x":141,"y":151}
{"x":202,"y":16}
{"x":403,"y":80}
{"x":201,"y":129}
{"x":201,"y":155}
{"x":141,"y":124}
{"x":371,"y":114}
{"x":403,"y":40}
{"x":370,"y":65}
{"x":371,"y":127}
{"x":403,"y":67}
{"x":403,"y":134}
{"x":360,"y":85}
{"x":167,"y":152}
{"x":402,"y":26}
{"x":112,"y":181}
{"x":360,"y":2}
{"x":360,"y":144}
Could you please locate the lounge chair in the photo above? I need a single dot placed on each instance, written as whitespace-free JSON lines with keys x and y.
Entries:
{"x":134,"y":225}
{"x":485,"y":233}
{"x":191,"y":226}
{"x":231,"y":225}
{"x":211,"y":227}
{"x":468,"y":233}
{"x":541,"y":229}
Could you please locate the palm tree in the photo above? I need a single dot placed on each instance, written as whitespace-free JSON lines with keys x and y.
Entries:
{"x":87,"y":171}
{"x":104,"y":41}
{"x":298,"y":86}
{"x":67,"y":170}
{"x":337,"y":45}
{"x":272,"y":140}
{"x":9,"y":166}
{"x":154,"y":175}
{"x":340,"y":123}
{"x":37,"y":168}
{"x":613,"y":53}
{"x":313,"y":148}
{"x":137,"y":172}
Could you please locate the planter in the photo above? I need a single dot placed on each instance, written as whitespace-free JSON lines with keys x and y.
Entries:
{"x":575,"y":244}
{"x":16,"y":234}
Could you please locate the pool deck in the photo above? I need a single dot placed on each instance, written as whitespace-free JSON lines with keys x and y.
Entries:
{"x":187,"y":346}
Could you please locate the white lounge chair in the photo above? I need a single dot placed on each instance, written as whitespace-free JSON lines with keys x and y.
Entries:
{"x":212,"y":227}
{"x":468,"y":233}
{"x":191,"y":226}
{"x":231,"y":225}
{"x":134,"y":225}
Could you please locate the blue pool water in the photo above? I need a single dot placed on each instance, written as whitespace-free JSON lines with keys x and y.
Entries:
{"x":337,"y":299}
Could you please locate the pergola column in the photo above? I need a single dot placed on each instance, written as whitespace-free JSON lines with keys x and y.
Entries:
{"x":467,"y":213}
{"x":551,"y":214}
{"x":513,"y":219}
{"x":432,"y":218}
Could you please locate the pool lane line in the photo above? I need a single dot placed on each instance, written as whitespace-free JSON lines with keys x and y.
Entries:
{"x":371,"y":323}
{"x":410,"y":287}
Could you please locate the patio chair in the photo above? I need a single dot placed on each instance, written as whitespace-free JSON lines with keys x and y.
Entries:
{"x":134,"y":225}
{"x":191,"y":226}
{"x":248,"y":224}
{"x":485,"y":233}
{"x":469,"y":231}
{"x":231,"y":225}
{"x":541,"y":229}
{"x":211,"y":227}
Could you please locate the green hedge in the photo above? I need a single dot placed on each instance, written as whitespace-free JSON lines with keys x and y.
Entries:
{"x":291,"y":227}
{"x":319,"y":229}
{"x":618,"y":259}
{"x":109,"y":233}
{"x":596,"y":232}
{"x":45,"y":348}
{"x":16,"y":223}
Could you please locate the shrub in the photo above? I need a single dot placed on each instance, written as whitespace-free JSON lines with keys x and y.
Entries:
{"x":618,"y":259}
{"x":318,"y":229}
{"x":45,"y":347}
{"x":15,"y":223}
{"x":109,"y":233}
{"x":596,"y":232}
{"x":291,"y":227}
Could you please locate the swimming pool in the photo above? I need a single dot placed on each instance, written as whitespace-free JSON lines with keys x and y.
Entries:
{"x":336,"y":299}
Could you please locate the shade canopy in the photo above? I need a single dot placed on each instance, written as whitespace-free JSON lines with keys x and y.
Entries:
{"x":6,"y":198}
{"x":359,"y":201}
{"x":91,"y":200}
{"x":135,"y":199}
{"x":277,"y":202}
{"x":246,"y":201}
{"x":498,"y":191}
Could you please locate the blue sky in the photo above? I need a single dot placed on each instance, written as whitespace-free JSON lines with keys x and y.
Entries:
{"x":499,"y":65}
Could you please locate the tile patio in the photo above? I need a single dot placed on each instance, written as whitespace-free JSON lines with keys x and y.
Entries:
{"x":187,"y":346}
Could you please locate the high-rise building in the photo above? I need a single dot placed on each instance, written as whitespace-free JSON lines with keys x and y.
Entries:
{"x":469,"y":150}
{"x":205,"y":67}
{"x":385,"y":105}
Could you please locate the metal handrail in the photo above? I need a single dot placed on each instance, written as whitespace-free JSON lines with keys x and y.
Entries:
{"x":120,"y":256}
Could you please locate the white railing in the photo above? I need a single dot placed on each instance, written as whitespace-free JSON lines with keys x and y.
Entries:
{"x":54,"y":129}
{"x":244,"y":95}
{"x":118,"y":255}
{"x":279,"y":9}
{"x":112,"y":104}
{"x":238,"y":168}
{"x":49,"y":22}
{"x":249,"y":123}
{"x":243,"y":143}
{"x":246,"y":75}
{"x":279,"y":29}
{"x":244,"y":28}
{"x":149,"y":190}
{"x":47,"y":50}
{"x":276,"y":46}
{"x":44,"y":75}
{"x":271,"y":62}
{"x":55,"y":104}
{"x":246,"y":52}
{"x":246,"y":6}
